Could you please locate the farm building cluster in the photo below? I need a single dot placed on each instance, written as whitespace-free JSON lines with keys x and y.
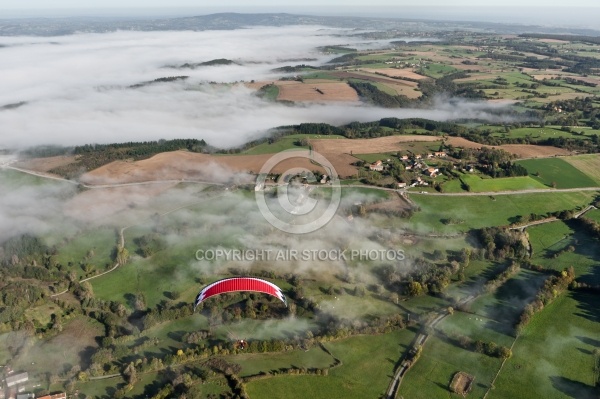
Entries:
{"x":416,"y":163}
{"x":16,"y":384}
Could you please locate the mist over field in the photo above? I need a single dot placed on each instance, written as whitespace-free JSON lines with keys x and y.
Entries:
{"x":76,"y":89}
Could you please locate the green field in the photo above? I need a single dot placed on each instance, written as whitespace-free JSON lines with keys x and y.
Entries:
{"x":501,"y":309}
{"x":558,"y":172}
{"x":479,"y":184}
{"x":553,"y":356}
{"x":368,"y":363}
{"x":92,"y":247}
{"x":594,"y":214}
{"x":255,"y":363}
{"x":101,"y":388}
{"x":437,"y":70}
{"x":551,"y":239}
{"x":13,"y":179}
{"x":481,"y":211}
{"x":431,"y":375}
{"x":492,"y":319}
{"x":271,"y":92}
{"x":537,"y":133}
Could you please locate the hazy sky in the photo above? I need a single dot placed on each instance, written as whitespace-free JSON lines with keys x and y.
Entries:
{"x":44,"y":4}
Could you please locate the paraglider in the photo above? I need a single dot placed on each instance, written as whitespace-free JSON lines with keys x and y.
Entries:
{"x":236,"y":284}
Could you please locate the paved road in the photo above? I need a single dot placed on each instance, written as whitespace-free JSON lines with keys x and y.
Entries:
{"x":494,"y":193}
{"x":400,"y":191}
{"x":114,"y":185}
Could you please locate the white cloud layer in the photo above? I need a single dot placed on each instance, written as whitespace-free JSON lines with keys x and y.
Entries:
{"x":76,"y":87}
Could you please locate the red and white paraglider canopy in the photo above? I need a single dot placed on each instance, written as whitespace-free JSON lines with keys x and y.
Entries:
{"x":236,"y":284}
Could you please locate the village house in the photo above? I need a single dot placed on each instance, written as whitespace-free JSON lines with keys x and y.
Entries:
{"x":401,"y":185}
{"x":377,"y":166}
{"x":418,"y":182}
{"x":440,"y":154}
{"x":431,"y":172}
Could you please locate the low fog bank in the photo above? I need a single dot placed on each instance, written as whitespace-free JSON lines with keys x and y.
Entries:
{"x":77,"y":90}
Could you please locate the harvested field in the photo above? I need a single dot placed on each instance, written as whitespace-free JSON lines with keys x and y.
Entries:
{"x":552,"y":41}
{"x":397,"y":73}
{"x":342,"y":164}
{"x":588,"y":164}
{"x":338,"y":151}
{"x":369,"y":146}
{"x":403,"y":87}
{"x":461,"y":383}
{"x":534,"y":151}
{"x":316,"y":91}
{"x":520,"y":150}
{"x":505,"y":101}
{"x":183,"y":165}
{"x":310,"y":90}
{"x":45,"y":164}
{"x":178,"y":165}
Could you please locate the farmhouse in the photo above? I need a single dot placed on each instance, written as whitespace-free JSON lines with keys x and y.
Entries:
{"x":401,"y":185}
{"x":405,"y":157}
{"x":431,"y":172}
{"x":378,"y":166}
{"x":440,"y":154}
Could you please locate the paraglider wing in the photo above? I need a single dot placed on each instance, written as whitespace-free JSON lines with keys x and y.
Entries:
{"x":236,"y":284}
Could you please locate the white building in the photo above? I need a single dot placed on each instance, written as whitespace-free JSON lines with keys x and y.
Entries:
{"x":16,"y":379}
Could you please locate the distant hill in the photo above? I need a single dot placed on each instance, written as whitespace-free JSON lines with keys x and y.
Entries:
{"x":218,"y":61}
{"x":229,"y":21}
{"x":159,"y":80}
